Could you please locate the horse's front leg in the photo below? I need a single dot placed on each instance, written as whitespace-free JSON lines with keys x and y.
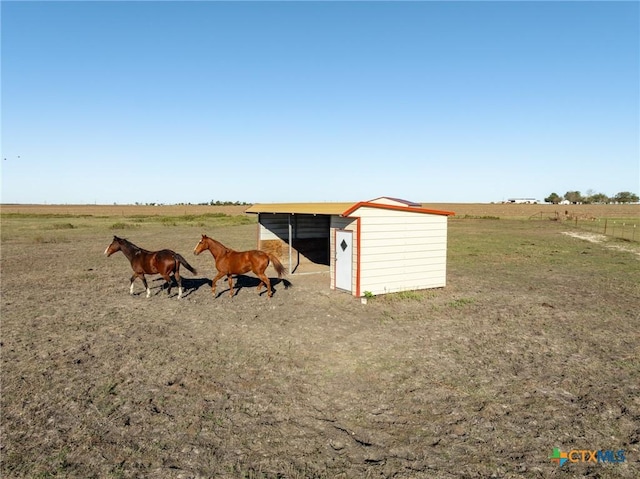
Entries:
{"x":133,"y":278}
{"x":213,"y":283}
{"x":230,"y":279}
{"x":146,"y":286}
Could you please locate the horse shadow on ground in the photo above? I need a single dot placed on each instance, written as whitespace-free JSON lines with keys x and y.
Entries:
{"x":242,"y":281}
{"x":189,"y":285}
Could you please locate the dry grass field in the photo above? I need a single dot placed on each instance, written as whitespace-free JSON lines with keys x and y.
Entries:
{"x":461,"y":209}
{"x":122,"y":210}
{"x":534,"y":344}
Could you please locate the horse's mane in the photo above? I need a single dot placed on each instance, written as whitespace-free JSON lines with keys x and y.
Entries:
{"x":133,"y":246}
{"x":225,"y":248}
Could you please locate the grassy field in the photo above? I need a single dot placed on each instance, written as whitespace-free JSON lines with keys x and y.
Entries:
{"x":520,"y":211}
{"x":531,"y":346}
{"x":620,"y":221}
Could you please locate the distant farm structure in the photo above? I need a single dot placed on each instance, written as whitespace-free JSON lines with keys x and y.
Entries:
{"x":523,"y":201}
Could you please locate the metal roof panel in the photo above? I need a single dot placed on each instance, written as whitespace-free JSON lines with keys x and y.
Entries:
{"x":301,"y":208}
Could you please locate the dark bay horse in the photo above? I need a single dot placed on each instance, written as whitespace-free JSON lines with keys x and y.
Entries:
{"x":164,"y":262}
{"x":229,"y":262}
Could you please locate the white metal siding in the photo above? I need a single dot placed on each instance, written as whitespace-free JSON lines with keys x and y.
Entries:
{"x":401,"y":250}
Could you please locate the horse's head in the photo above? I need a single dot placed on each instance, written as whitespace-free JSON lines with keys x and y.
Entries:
{"x":114,"y":246}
{"x":202,"y":245}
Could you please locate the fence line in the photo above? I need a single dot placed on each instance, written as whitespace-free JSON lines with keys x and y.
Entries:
{"x":624,"y":229}
{"x":614,"y":228}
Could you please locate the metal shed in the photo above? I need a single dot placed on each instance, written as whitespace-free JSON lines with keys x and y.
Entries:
{"x":379,"y":246}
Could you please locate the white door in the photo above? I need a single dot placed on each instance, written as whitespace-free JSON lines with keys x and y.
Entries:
{"x":344,"y":259}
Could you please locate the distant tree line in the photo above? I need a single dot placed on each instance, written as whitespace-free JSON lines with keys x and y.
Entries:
{"x":221,"y":203}
{"x":225,"y":203}
{"x":210,"y":203}
{"x":592,"y":197}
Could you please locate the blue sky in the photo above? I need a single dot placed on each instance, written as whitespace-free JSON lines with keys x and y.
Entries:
{"x":124,"y":102}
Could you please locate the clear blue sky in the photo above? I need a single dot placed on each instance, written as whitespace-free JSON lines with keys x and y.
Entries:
{"x":124,"y":102}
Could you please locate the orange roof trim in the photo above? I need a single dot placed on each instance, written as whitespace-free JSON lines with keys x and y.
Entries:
{"x":395,"y":207}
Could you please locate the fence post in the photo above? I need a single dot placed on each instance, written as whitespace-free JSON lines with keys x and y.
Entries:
{"x":605,"y":226}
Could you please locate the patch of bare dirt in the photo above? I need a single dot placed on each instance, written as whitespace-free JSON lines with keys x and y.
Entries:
{"x":591,"y":237}
{"x":605,"y":241}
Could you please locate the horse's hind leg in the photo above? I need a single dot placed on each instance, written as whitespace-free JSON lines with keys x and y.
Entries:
{"x":261,"y":282}
{"x":179,"y":281}
{"x":265,"y":279}
{"x":167,"y":278}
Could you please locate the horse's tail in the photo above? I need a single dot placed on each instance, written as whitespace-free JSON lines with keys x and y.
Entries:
{"x":184,"y":263}
{"x":280,"y":269}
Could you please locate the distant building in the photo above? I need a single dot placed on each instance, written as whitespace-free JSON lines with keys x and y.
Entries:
{"x":526,"y":201}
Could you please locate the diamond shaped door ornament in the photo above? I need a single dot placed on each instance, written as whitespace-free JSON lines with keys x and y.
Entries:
{"x":343,"y":245}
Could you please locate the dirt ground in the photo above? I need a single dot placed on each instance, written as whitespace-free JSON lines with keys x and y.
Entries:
{"x":533,"y":345}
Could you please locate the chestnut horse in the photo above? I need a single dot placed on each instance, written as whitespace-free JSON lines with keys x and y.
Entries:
{"x":229,"y":262}
{"x":164,"y":262}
